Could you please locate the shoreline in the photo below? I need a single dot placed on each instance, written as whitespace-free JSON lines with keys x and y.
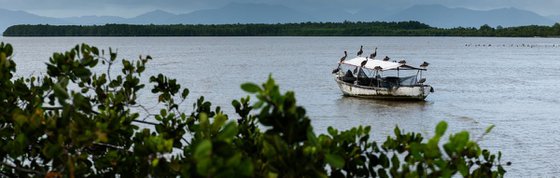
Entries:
{"x":330,"y":29}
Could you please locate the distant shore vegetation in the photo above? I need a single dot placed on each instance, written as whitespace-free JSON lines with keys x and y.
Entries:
{"x":406,"y":28}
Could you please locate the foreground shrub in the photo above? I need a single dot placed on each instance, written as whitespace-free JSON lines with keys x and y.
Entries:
{"x":75,"y":122}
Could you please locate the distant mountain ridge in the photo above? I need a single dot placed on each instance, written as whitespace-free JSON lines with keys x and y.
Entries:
{"x":93,"y":20}
{"x":9,"y":18}
{"x":152,"y":17}
{"x":555,"y":18}
{"x":441,"y":16}
{"x":434,"y":15}
{"x":244,"y":13}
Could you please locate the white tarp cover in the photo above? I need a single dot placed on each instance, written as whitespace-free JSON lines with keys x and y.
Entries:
{"x":385,"y":65}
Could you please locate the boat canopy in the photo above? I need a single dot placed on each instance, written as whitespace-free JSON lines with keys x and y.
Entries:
{"x":385,"y":65}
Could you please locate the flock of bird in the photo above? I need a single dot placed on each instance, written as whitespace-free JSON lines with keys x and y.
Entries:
{"x":361,"y":51}
{"x":371,"y":56}
{"x":513,"y":45}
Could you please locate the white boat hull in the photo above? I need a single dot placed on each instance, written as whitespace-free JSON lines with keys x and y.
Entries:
{"x":416,"y":92}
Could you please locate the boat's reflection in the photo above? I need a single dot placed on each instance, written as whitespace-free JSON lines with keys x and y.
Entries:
{"x":369,"y":104}
{"x":383,"y":115}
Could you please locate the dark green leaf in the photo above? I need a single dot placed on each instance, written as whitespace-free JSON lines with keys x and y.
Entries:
{"x":250,"y":87}
{"x":489,"y":129}
{"x":334,"y":160}
{"x":440,"y":128}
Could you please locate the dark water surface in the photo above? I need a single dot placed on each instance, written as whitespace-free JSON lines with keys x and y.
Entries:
{"x":513,"y":84}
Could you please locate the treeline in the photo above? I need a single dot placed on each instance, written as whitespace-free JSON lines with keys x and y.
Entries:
{"x":408,"y":28}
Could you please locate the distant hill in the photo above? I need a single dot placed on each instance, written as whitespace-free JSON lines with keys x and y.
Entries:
{"x":434,"y":15}
{"x":93,"y":20}
{"x":153,"y":17}
{"x":244,"y":13}
{"x":331,"y":14}
{"x":441,"y":16}
{"x":373,"y":14}
{"x":9,"y":17}
{"x":555,"y":18}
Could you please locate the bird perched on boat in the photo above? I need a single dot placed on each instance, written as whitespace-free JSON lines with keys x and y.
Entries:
{"x":336,"y":70}
{"x":360,"y":52}
{"x":386,"y":58}
{"x":402,"y":62}
{"x":377,"y":68}
{"x":343,"y":57}
{"x":363,"y":63}
{"x":372,"y":55}
{"x":424,"y":64}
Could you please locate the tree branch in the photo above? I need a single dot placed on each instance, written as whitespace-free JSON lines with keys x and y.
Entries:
{"x":23,"y":169}
{"x":144,"y":122}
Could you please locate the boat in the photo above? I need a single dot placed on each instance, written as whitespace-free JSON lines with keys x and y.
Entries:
{"x":381,"y":79}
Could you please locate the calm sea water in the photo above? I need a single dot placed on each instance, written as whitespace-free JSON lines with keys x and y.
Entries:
{"x":512,"y":83}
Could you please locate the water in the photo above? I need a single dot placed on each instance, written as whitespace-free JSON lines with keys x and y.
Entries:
{"x":507,"y":84}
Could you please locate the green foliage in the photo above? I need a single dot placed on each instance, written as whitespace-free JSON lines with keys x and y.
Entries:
{"x":77,"y":123}
{"x":406,"y":28}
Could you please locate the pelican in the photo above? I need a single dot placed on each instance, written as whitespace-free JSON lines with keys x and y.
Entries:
{"x":402,"y":62}
{"x":372,"y":55}
{"x":343,"y":57}
{"x":386,"y":58}
{"x":425,"y":64}
{"x":335,"y":70}
{"x":377,"y":68}
{"x":363,"y":63}
{"x":361,"y":51}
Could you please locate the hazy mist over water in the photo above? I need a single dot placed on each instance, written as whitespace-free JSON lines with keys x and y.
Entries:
{"x":512,"y":83}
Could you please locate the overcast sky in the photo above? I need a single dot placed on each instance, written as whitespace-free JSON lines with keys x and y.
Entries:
{"x":130,"y":8}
